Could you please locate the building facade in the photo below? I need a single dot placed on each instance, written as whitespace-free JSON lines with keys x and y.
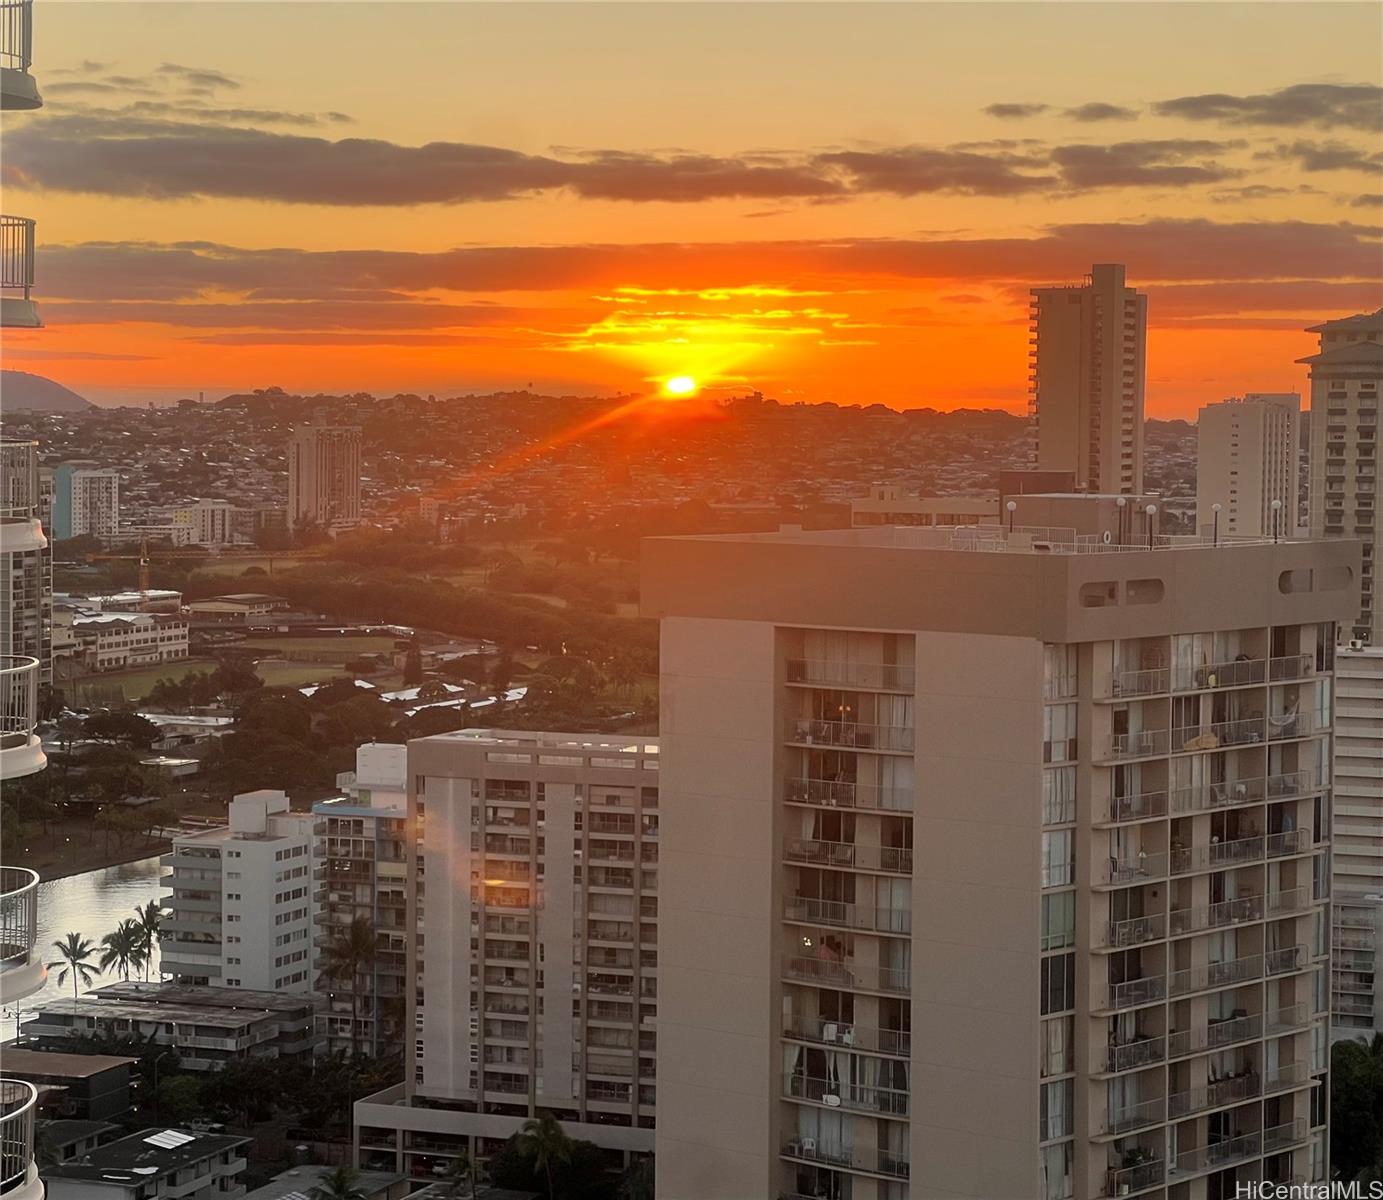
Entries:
{"x":155,"y":1164}
{"x":110,"y":641}
{"x":991,"y":871}
{"x":1358,"y":858}
{"x":1246,"y":463}
{"x":213,"y":523}
{"x":240,"y":910}
{"x":26,"y":562}
{"x":86,"y":501}
{"x":538,"y":874}
{"x":324,"y":476}
{"x":360,"y":871}
{"x":888,"y":505}
{"x":1087,"y":347}
{"x":1345,"y":378}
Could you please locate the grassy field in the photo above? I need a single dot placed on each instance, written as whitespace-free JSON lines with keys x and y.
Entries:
{"x":133,"y":684}
{"x":293,"y":674}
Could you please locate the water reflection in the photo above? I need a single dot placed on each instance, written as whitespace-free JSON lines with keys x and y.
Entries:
{"x":91,"y":904}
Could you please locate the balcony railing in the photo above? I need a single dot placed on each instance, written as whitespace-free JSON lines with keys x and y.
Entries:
{"x":835,"y":793}
{"x":1214,"y":1036}
{"x":854,"y":735}
{"x":1209,"y":796}
{"x":18,"y":1103}
{"x":1142,"y":868}
{"x":1138,"y":807}
{"x":1215,"y":855}
{"x":1216,"y":735}
{"x":850,"y":1036}
{"x":1135,"y":1179}
{"x":1143,"y":1052}
{"x":1213,"y":975}
{"x":1219,"y":675}
{"x":807,"y":1150}
{"x":1294,"y":900}
{"x":20,"y":971}
{"x":1133,"y":992}
{"x":1217,"y":1155}
{"x":1139,"y":744}
{"x":1133,"y":1116}
{"x":882,"y":677}
{"x":846,"y":915}
{"x":1285,"y":1077}
{"x":1291,"y":666}
{"x":1214,"y":1095}
{"x":1137,"y":930}
{"x":17,"y":250}
{"x":892,"y":859}
{"x":18,"y":705}
{"x":1280,"y":1137}
{"x":848,"y":975}
{"x":16,"y":35}
{"x":1294,"y":725}
{"x":837,"y":1094}
{"x":1212,"y":916}
{"x":1147,"y":682}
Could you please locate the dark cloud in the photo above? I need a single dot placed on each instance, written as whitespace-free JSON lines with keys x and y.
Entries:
{"x":1173,"y":162}
{"x":1367,"y":200}
{"x":914,"y":170}
{"x":343,"y":339}
{"x":28,"y":353}
{"x":1011,"y":112}
{"x":1327,"y":105}
{"x":147,"y":279}
{"x":1327,"y":156}
{"x":1099,"y":111}
{"x":1252,"y":191}
{"x":197,"y":77}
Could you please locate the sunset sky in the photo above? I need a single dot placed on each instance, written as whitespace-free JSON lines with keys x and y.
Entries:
{"x":839,"y":202}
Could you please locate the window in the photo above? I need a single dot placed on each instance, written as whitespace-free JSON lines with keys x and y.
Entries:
{"x":1058,"y":1046}
{"x":1055,"y":1119}
{"x":1059,"y":732}
{"x":1058,"y":983}
{"x":1058,"y":920}
{"x":1058,"y":857}
{"x":1059,"y":796}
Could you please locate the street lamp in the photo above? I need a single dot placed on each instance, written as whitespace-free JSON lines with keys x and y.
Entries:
{"x":1215,"y":508}
{"x":1276,"y":506}
{"x":1150,"y":511}
{"x":1012,"y":507}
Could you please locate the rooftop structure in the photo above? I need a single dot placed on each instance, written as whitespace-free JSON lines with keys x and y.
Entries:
{"x":153,"y":1164}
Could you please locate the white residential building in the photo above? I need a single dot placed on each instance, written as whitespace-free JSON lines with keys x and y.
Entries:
{"x":540,"y":979}
{"x":86,"y":501}
{"x":240,"y":909}
{"x":1358,"y":858}
{"x":109,"y":641}
{"x":214,"y":522}
{"x":1246,"y":466}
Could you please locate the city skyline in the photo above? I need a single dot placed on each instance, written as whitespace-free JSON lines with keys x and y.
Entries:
{"x":219,"y":209}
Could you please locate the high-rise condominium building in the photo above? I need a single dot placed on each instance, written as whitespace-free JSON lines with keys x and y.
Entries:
{"x":1358,"y":858}
{"x":540,"y":982}
{"x":26,"y":563}
{"x":992,"y":869}
{"x":240,"y":910}
{"x":1345,"y":377}
{"x":324,"y":476}
{"x":1246,"y":461}
{"x":1087,"y":347}
{"x":362,"y":855}
{"x":86,"y":501}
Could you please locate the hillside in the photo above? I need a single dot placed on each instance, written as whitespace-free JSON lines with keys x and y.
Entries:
{"x":21,"y":391}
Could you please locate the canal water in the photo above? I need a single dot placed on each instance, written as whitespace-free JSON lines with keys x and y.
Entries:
{"x":91,"y":904}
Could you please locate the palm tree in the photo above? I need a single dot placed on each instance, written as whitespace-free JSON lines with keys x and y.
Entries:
{"x":348,"y":954}
{"x":543,"y":1140}
{"x":148,"y":918}
{"x":123,"y":948}
{"x":74,"y":958}
{"x":340,"y":1183}
{"x":461,"y":1171}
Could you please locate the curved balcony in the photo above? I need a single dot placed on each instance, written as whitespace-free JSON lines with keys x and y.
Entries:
{"x":18,"y":1171}
{"x":18,"y":90}
{"x":20,"y":530}
{"x":21,"y":752}
{"x":21,"y":971}
{"x":17,"y":308}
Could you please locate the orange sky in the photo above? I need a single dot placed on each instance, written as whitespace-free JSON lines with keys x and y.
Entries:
{"x":826,"y":202}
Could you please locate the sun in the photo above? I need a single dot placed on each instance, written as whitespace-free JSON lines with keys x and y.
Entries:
{"x":680,"y":385}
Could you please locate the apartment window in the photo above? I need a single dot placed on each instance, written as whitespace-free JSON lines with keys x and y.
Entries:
{"x":1059,"y":732}
{"x":1057,"y":1102}
{"x":1056,"y":1172}
{"x":1058,"y":983}
{"x":1059,"y":796}
{"x":1058,"y":1046}
{"x":1059,"y":671}
{"x":1058,"y":857}
{"x":1058,"y":920}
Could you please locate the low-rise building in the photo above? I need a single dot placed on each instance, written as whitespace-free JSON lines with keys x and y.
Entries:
{"x":109,"y":641}
{"x":154,"y":1164}
{"x":154,"y":600}
{"x":235,"y":607}
{"x":887,"y":505}
{"x":240,"y":908}
{"x":298,"y":1182}
{"x":67,"y":1139}
{"x":207,"y":1026}
{"x":91,"y":1086}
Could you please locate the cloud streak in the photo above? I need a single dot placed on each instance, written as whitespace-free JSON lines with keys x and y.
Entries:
{"x":1325,"y":105}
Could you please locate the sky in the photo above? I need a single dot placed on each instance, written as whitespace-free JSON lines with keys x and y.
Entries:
{"x":825,"y":202}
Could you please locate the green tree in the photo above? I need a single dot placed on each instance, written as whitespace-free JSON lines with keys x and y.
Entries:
{"x":126,"y":727}
{"x":348,"y":955}
{"x":122,"y":948}
{"x":147,"y":919}
{"x":544,"y":1142}
{"x":340,"y":1183}
{"x":179,"y":1098}
{"x":1356,"y":1107}
{"x":413,"y":664}
{"x":74,"y":959}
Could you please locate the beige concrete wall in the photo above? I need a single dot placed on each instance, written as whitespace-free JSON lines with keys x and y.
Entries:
{"x":717,"y":1039}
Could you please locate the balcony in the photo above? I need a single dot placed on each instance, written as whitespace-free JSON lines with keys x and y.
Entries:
{"x":833,"y":1093}
{"x":1215,"y":916}
{"x":18,"y":91}
{"x":21,"y":752}
{"x":17,"y":308}
{"x":1217,"y":735}
{"x":1282,"y":726}
{"x":1217,"y":855}
{"x":861,"y":676}
{"x":1143,"y":743}
{"x":894,"y":860}
{"x":1137,"y":1178}
{"x":835,"y":793}
{"x":1294,"y":900}
{"x":18,"y":1171}
{"x":1215,"y":1035}
{"x":1134,"y":1116}
{"x":21,"y":971}
{"x":1136,"y":930}
{"x":1136,"y":1054}
{"x":851,"y":735}
{"x":1287,"y":1077}
{"x":1135,"y":992}
{"x":1216,"y":1156}
{"x":1150,"y":682}
{"x":848,"y":975}
{"x":845,"y":1158}
{"x":1239,"y":673}
{"x":1291,"y":666}
{"x":850,"y":1036}
{"x":1144,"y":868}
{"x":845,"y":915}
{"x":1233,"y":1090}
{"x":1205,"y":976}
{"x":1139,"y":807}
